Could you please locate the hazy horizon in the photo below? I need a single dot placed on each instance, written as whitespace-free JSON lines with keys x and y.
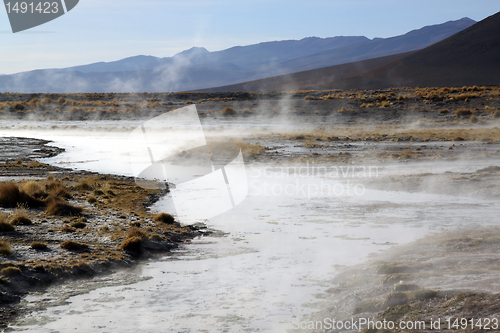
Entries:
{"x":110,"y":31}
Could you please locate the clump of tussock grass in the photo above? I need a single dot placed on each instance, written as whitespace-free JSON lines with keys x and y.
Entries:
{"x":61,"y":208}
{"x":39,"y":246}
{"x":70,"y":245}
{"x":136,"y":224}
{"x":92,"y":200}
{"x":86,"y":184}
{"x":10,"y":271}
{"x":32,"y":188}
{"x":21,"y":218}
{"x":132,"y":244}
{"x":247,"y":112}
{"x":78,"y":225}
{"x":11,"y":196}
{"x":19,"y":106}
{"x":5,"y":248}
{"x":164,"y":218}
{"x":57,"y":188}
{"x":473,"y":119}
{"x":67,"y":229}
{"x":4,"y":225}
{"x":34,"y":102}
{"x":47,"y":100}
{"x":462,"y":112}
{"x":136,"y":232}
{"x":228,"y":111}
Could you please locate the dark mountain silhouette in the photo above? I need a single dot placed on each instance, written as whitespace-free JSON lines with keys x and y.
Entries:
{"x":312,"y":79}
{"x":379,"y":47}
{"x":470,"y":57}
{"x":198,"y":68}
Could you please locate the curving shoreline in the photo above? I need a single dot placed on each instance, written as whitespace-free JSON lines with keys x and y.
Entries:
{"x":104,"y":226}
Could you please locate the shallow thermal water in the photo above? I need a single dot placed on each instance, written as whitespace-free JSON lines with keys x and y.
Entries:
{"x":284,"y":243}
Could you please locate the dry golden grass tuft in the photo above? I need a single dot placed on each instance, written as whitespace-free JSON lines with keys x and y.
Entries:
{"x":11,"y":196}
{"x":32,"y":188}
{"x":164,"y":218}
{"x":136,"y":232}
{"x":5,"y":248}
{"x":19,"y":106}
{"x":39,"y":246}
{"x":132,"y":244}
{"x":86,"y":184}
{"x":60,"y":208}
{"x":67,"y":229}
{"x":10,"y":271}
{"x":73,"y":246}
{"x":47,"y":100}
{"x":4,"y":225}
{"x":462,"y":112}
{"x":78,"y":225}
{"x":228,"y":111}
{"x":21,"y":217}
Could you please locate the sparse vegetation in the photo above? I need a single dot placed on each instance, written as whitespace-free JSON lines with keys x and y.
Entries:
{"x":78,"y":225}
{"x":10,"y":271}
{"x":462,"y":112}
{"x":5,"y":248}
{"x":229,"y":111}
{"x":21,"y":217}
{"x":11,"y":196}
{"x":73,"y":246}
{"x":136,"y":232}
{"x":39,"y":246}
{"x":164,"y":218}
{"x":60,"y":208}
{"x":4,"y":225}
{"x":132,"y":244}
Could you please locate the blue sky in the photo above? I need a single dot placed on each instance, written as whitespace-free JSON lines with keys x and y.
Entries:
{"x":107,"y":30}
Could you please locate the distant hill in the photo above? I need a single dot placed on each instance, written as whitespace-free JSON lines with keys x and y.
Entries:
{"x":198,"y":68}
{"x":312,"y":79}
{"x":470,"y":57}
{"x":379,"y":47}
